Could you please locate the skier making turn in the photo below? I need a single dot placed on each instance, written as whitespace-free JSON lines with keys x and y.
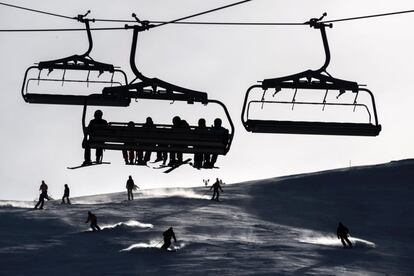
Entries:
{"x":343,"y":233}
{"x":216,"y":187}
{"x":168,"y":234}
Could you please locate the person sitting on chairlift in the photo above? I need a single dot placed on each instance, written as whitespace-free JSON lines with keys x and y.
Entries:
{"x":143,"y":158}
{"x":97,"y":121}
{"x":128,"y":154}
{"x":176,"y":157}
{"x":201,"y":158}
{"x":220,"y":131}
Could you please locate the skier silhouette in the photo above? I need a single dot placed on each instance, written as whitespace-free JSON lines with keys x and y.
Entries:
{"x":129,"y":155}
{"x":201,"y":159}
{"x":342,"y":232}
{"x":43,"y":195}
{"x":168,"y":234}
{"x":94,"y":221}
{"x":221,"y":131}
{"x":66,"y":195}
{"x":216,"y":187}
{"x":130,"y":185}
{"x":143,"y":158}
{"x":97,"y":121}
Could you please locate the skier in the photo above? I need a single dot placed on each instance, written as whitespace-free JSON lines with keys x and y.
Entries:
{"x":43,"y":195}
{"x":130,"y":186}
{"x":343,"y":233}
{"x":144,"y":157}
{"x":220,"y":131}
{"x":168,"y":234}
{"x":201,"y":159}
{"x":129,"y":155}
{"x":216,"y":186}
{"x":94,"y":221}
{"x":66,"y":195}
{"x":97,"y":121}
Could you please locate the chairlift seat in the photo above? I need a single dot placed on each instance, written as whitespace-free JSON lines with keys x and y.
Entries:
{"x":120,"y":136}
{"x":93,"y":100}
{"x":321,"y":128}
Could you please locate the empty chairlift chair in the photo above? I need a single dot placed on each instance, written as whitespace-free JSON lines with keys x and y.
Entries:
{"x":45,"y":82}
{"x":309,"y":82}
{"x":160,"y":137}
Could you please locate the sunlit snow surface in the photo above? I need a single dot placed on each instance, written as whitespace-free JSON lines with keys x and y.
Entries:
{"x":281,"y":226}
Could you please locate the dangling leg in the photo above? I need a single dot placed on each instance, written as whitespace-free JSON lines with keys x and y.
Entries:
{"x":125,"y":156}
{"x":87,"y":156}
{"x":343,"y":242}
{"x":99,"y":154}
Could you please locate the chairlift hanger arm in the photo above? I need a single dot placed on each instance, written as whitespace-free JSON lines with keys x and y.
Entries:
{"x":72,"y":62}
{"x":137,"y":90}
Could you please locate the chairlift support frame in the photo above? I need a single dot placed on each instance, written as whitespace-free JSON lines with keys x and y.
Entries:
{"x":81,"y":62}
{"x":312,"y":80}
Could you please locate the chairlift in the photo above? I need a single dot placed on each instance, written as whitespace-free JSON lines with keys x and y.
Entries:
{"x":44,"y":83}
{"x":311,"y":81}
{"x":161,"y":137}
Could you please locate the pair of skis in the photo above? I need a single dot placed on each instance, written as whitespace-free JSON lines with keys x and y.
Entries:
{"x":171,"y":168}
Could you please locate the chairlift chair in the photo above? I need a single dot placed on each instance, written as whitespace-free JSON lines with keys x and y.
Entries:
{"x":45,"y":73}
{"x":310,"y":81}
{"x":162,"y":137}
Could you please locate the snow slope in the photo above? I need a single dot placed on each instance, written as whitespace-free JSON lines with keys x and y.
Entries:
{"x":279,"y":226}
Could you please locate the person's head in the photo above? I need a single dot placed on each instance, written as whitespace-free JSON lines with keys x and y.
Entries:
{"x":217,"y":122}
{"x":130,"y":177}
{"x":202,"y":122}
{"x":98,"y":114}
{"x":217,"y":179}
{"x":89,"y":213}
{"x":176,"y":120}
{"x":43,"y":182}
{"x":170,"y":229}
{"x":131,"y":124}
{"x":149,"y":121}
{"x":66,"y":185}
{"x":340,"y":224}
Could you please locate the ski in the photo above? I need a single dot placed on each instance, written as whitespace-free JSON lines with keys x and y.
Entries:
{"x":177,"y":165}
{"x":92,"y":164}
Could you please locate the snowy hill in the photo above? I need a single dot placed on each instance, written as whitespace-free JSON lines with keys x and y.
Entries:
{"x":279,"y":226}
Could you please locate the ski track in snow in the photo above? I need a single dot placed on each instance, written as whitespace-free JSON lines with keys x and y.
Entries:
{"x":282,"y":226}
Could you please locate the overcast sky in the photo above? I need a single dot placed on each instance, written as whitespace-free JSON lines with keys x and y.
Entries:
{"x":38,"y":142}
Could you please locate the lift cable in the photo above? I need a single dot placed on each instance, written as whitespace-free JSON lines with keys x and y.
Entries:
{"x":179,"y":21}
{"x":38,"y":11}
{"x":367,"y":16}
{"x":202,"y":13}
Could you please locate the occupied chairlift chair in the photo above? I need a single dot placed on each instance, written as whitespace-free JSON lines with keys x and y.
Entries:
{"x":161,"y":137}
{"x":74,"y":63}
{"x":312,"y":80}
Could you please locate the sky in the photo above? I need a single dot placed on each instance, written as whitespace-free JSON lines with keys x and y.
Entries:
{"x":38,"y":142}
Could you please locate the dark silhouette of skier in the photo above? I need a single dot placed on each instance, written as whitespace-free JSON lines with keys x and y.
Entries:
{"x":343,"y":233}
{"x":143,"y":158}
{"x":130,"y":185}
{"x":201,"y":159}
{"x":43,"y":195}
{"x":168,"y":234}
{"x":93,"y":220}
{"x":176,"y":157}
{"x":216,"y":187}
{"x":66,"y":195}
{"x":129,"y":155}
{"x":220,"y":131}
{"x":97,"y":121}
